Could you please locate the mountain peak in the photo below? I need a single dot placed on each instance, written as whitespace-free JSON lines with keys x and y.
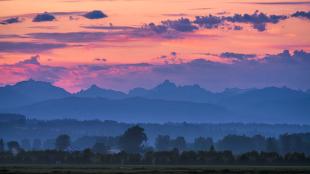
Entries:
{"x":94,"y":87}
{"x":166,"y":85}
{"x":31,"y":83}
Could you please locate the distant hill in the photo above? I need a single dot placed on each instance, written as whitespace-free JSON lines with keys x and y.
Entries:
{"x":165,"y":102}
{"x":128,"y":110}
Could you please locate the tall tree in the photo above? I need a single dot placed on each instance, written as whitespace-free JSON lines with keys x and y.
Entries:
{"x":1,"y":145}
{"x":132,"y":140}
{"x":271,"y":145}
{"x":99,"y":147}
{"x":179,"y":143}
{"x":202,"y":143}
{"x":62,"y":142}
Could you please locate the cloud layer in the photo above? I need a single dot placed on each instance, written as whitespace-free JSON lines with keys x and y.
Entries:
{"x":283,"y":69}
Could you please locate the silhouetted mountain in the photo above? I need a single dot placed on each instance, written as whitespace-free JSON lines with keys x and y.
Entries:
{"x":128,"y":110}
{"x":27,"y":92}
{"x":169,"y":91}
{"x":95,"y":91}
{"x":271,"y":104}
{"x":165,"y":102}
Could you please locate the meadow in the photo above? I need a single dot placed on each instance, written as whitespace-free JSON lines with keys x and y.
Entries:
{"x":149,"y":169}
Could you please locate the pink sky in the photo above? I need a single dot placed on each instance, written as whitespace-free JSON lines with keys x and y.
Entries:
{"x":71,"y":43}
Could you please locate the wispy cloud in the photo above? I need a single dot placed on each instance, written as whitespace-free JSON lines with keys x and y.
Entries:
{"x":28,"y":47}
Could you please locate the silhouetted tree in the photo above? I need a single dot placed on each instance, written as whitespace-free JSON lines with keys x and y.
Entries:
{"x":179,"y":143}
{"x":271,"y":145}
{"x":132,"y":140}
{"x":162,"y":142}
{"x":62,"y":142}
{"x":1,"y":145}
{"x":99,"y":147}
{"x":202,"y":143}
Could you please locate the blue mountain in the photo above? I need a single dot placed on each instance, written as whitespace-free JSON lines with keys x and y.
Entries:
{"x":95,"y":91}
{"x":30,"y":91}
{"x":127,"y":110}
{"x":165,"y":102}
{"x":169,"y":91}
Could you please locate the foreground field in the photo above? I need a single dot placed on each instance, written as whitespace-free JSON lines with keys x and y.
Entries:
{"x":94,"y":169}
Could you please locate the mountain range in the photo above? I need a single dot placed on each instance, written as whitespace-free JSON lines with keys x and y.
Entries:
{"x":166,"y":102}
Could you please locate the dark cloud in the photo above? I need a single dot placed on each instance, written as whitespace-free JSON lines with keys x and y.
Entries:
{"x":182,"y":25}
{"x":302,"y":14}
{"x":237,"y":55}
{"x":298,"y":56}
{"x":10,"y":21}
{"x":283,"y":69}
{"x":209,"y":21}
{"x":168,"y":28}
{"x":43,"y":17}
{"x":71,"y":36}
{"x":156,"y":28}
{"x":237,"y":27}
{"x":96,"y":14}
{"x":257,"y":19}
{"x":259,"y":26}
{"x":34,"y":60}
{"x":28,"y":47}
{"x":100,"y":59}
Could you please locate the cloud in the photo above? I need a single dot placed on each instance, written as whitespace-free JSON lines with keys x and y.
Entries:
{"x":237,"y":55}
{"x":43,"y":17}
{"x":30,"y":68}
{"x":28,"y":47}
{"x":156,"y":28}
{"x":182,"y":25}
{"x":170,"y":27}
{"x":71,"y":36}
{"x":110,"y":27}
{"x":96,"y":14}
{"x":34,"y":60}
{"x":257,"y":19}
{"x":302,"y":14}
{"x":100,"y":59}
{"x":237,"y":27}
{"x":209,"y":21}
{"x":10,"y":21}
{"x":298,"y":56}
{"x":259,"y":26}
{"x":289,"y":69}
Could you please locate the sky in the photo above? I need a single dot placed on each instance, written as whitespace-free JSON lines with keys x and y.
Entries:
{"x":122,"y":44}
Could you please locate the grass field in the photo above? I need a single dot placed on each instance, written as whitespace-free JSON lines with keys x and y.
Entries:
{"x":94,"y":169}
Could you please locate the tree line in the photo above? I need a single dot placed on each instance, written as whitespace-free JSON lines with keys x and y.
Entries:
{"x":132,"y":149}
